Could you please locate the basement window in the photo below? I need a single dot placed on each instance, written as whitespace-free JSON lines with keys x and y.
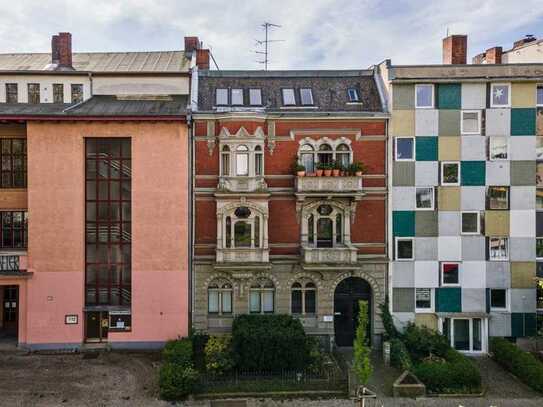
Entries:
{"x":306,"y":96}
{"x":288,"y":97}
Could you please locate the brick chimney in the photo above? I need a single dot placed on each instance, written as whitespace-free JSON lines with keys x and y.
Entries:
{"x":455,"y":50}
{"x":192,"y":44}
{"x":61,"y":50}
{"x":494,"y":55}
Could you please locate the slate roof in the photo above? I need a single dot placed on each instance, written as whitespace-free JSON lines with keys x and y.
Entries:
{"x":329,"y":89}
{"x":156,"y":61}
{"x":103,"y":106}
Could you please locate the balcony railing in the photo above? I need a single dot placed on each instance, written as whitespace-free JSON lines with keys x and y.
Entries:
{"x":242,"y":184}
{"x":12,"y":262}
{"x":349,"y":184}
{"x":345,"y":254}
{"x":243,"y":255}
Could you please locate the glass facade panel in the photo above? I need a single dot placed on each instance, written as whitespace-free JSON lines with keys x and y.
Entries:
{"x":461,"y":334}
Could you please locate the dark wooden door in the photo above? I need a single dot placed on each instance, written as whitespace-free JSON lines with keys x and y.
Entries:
{"x":346,"y":308}
{"x":10,"y":310}
{"x":96,"y":326}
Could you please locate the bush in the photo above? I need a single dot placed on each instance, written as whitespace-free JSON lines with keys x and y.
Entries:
{"x":399,"y":356}
{"x":218,"y":355}
{"x":176,"y":381}
{"x":423,"y":342}
{"x":178,"y":352}
{"x":270,"y":342}
{"x":362,"y":363}
{"x":388,"y":323}
{"x":454,"y":374}
{"x":199,"y":341}
{"x":522,"y":364}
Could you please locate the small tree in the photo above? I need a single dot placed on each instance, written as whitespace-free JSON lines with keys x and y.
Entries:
{"x":362,"y":363}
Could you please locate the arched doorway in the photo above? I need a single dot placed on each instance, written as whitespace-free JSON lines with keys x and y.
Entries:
{"x":346,"y":297}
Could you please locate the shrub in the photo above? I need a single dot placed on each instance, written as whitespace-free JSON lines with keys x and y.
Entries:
{"x":522,"y":364}
{"x":218,"y":355}
{"x":178,"y":352}
{"x":388,"y":322}
{"x":315,"y":355}
{"x":455,"y":374}
{"x":423,"y":342}
{"x":269,"y":342}
{"x":176,"y":381}
{"x":399,"y":356}
{"x":362,"y":364}
{"x":199,"y":340}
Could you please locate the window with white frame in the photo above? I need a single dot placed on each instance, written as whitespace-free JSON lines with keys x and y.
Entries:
{"x":498,"y":197}
{"x":471,"y":223}
{"x":464,"y":334}
{"x":289,"y":99}
{"x":262,"y":297}
{"x":498,"y":248}
{"x":424,"y":96}
{"x":424,"y":197}
{"x":540,"y":95}
{"x":237,"y":97}
{"x":242,"y":160}
{"x":404,"y":148}
{"x":498,"y":148}
{"x":424,"y":300}
{"x":303,"y":298}
{"x":225,"y":161}
{"x":242,"y":229}
{"x":450,"y":274}
{"x":325,"y":226}
{"x":498,"y":299}
{"x":471,"y":122}
{"x":405,"y":248}
{"x":500,"y":95}
{"x":352,"y":94}
{"x":219,"y":297}
{"x":221,"y":96}
{"x":312,"y":153}
{"x":255,"y":97}
{"x":539,"y":248}
{"x":306,"y":96}
{"x":450,"y":173}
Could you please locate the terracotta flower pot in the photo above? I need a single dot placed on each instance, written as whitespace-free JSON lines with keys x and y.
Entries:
{"x":310,"y":174}
{"x":301,"y":173}
{"x":319,"y":173}
{"x":327,"y":173}
{"x":342,"y":173}
{"x":358,"y":173}
{"x":335,"y":173}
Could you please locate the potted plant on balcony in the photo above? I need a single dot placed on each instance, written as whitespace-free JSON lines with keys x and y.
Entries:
{"x":337,"y":169}
{"x":358,"y":169}
{"x":328,"y":169}
{"x":299,"y":170}
{"x":320,"y":169}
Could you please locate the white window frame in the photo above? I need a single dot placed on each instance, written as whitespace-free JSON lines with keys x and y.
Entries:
{"x":432,"y":301}
{"x":432,"y":104}
{"x":217,"y":98}
{"x":507,"y":140}
{"x":484,"y":333}
{"x":432,"y":207}
{"x":312,"y":101}
{"x":538,"y":86}
{"x":220,"y":290}
{"x":251,"y":90}
{"x":462,"y":131}
{"x":536,"y":239}
{"x":283,"y":90}
{"x":232,"y":97}
{"x":507,"y":300}
{"x":492,"y":85}
{"x":355,"y":93}
{"x":478,"y":232}
{"x":442,"y":274}
{"x":396,"y":149}
{"x":398,"y":239}
{"x":442,"y":164}
{"x":506,"y":258}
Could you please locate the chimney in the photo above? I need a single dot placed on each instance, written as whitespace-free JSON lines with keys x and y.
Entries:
{"x":494,"y":55}
{"x":61,"y":50}
{"x":191,"y":44}
{"x":478,"y":59}
{"x":202,"y":58}
{"x":455,"y":49}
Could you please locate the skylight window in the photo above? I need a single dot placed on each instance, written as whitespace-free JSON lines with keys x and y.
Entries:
{"x":288,"y":97}
{"x":255,"y":97}
{"x":353,"y":95}
{"x":306,"y":96}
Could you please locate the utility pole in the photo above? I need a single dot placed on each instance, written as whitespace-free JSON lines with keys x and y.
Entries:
{"x":266,"y":25}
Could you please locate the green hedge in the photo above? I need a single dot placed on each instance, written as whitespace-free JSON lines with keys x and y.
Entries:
{"x":178,"y":352}
{"x":177,"y":376}
{"x":423,"y":342}
{"x":454,"y":374}
{"x":399,"y":356}
{"x":522,"y":364}
{"x":270,"y":342}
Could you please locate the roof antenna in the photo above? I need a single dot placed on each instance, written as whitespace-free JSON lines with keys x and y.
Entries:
{"x":447,"y":31}
{"x":265,"y":42}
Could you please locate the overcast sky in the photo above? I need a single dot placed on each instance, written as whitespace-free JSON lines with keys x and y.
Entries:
{"x":323,"y":34}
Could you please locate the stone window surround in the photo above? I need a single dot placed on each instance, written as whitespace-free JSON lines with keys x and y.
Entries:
{"x":303,"y":289}
{"x":221,"y":286}
{"x":311,"y":208}
{"x":317,"y":143}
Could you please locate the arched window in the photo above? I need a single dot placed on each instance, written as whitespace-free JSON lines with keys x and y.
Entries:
{"x":242,"y":229}
{"x":326,"y":154}
{"x":242,"y":160}
{"x":219,"y":297}
{"x":258,"y":161}
{"x":325,"y":226}
{"x":225,"y":161}
{"x":303,"y":298}
{"x":262,"y":297}
{"x":311,"y":153}
{"x":343,"y":155}
{"x":307,"y":157}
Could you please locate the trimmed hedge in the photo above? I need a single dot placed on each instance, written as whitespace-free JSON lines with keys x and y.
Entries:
{"x":178,"y":352}
{"x":177,"y":376}
{"x":423,"y":342}
{"x":270,"y":342}
{"x":522,"y":364}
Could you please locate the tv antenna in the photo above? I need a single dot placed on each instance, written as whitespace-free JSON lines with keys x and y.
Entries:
{"x":267,"y":26}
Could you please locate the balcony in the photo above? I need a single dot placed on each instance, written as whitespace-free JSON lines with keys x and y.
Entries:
{"x":242,"y":184}
{"x":13,"y":263}
{"x":331,"y":186}
{"x":344,"y":254}
{"x":243,"y":255}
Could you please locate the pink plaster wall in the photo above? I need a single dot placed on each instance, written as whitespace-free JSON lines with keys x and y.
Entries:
{"x":159,"y":228}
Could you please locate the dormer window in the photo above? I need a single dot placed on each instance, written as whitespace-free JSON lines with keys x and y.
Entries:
{"x":34,"y":93}
{"x":237,"y":97}
{"x":221,"y":96}
{"x":288,"y":97}
{"x":306,"y":96}
{"x":255,"y":97}
{"x":11,"y":93}
{"x":77,"y":93}
{"x":352,"y":93}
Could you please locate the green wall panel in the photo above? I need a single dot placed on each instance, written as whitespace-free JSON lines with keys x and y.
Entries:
{"x":523,"y":122}
{"x":523,"y":324}
{"x":449,"y":299}
{"x":403,"y":223}
{"x":403,"y":97}
{"x":473,"y":173}
{"x":449,"y":96}
{"x":426,"y":149}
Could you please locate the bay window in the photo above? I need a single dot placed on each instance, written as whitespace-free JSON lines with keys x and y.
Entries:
{"x":242,"y":229}
{"x":325,"y":226}
{"x":241,"y":160}
{"x":314,"y":152}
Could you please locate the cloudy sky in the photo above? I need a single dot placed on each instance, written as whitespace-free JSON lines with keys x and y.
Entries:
{"x":316,"y":33}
